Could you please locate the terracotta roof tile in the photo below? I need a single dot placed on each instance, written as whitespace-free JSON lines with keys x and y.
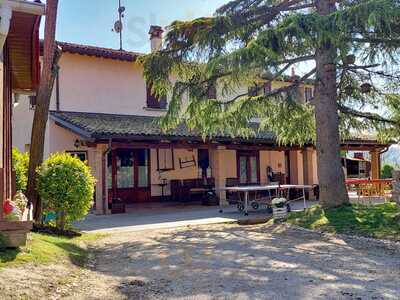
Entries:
{"x":105,"y":126}
{"x":95,"y":51}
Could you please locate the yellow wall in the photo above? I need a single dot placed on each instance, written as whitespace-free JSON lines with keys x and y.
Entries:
{"x":274,"y":159}
{"x":178,"y":173}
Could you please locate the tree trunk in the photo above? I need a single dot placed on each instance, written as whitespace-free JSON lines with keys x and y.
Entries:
{"x":333,"y":191}
{"x":61,"y":220}
{"x":50,"y":59}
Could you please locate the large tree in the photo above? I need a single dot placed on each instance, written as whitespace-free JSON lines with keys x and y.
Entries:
{"x":348,"y":48}
{"x":51,"y":55}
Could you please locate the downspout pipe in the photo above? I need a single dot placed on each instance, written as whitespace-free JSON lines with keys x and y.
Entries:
{"x":5,"y":20}
{"x":105,"y":176}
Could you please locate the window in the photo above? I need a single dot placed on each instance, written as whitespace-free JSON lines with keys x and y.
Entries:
{"x":143,"y":168}
{"x":82,"y":155}
{"x":165,"y":159}
{"x":125,"y":163}
{"x":212,"y":91}
{"x":154,"y":102}
{"x":260,"y":89}
{"x":248,"y":167}
{"x":308,"y":94}
{"x":267,"y":88}
{"x":253,"y":91}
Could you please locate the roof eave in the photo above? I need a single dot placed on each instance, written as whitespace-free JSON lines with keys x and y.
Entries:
{"x":33,"y":8}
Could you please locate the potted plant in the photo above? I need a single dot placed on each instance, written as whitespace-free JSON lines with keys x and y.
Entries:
{"x":279,"y":209}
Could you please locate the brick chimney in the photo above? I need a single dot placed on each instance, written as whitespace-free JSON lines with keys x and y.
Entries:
{"x":156,"y":33}
{"x":293,"y":75}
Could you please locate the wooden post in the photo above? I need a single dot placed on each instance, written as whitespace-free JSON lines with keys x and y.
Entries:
{"x":1,"y":192}
{"x":396,"y":187}
{"x":13,"y":183}
{"x":375,"y":162}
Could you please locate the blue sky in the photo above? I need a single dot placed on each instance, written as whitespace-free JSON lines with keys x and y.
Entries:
{"x":90,"y":21}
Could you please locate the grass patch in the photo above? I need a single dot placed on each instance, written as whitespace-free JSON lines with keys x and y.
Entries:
{"x":44,"y":249}
{"x":380,"y":221}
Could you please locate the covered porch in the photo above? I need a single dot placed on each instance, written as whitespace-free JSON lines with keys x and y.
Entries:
{"x":135,"y":163}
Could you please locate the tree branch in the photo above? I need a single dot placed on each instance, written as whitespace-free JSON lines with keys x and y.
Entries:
{"x":376,"y":40}
{"x":366,"y":115}
{"x":277,"y":91}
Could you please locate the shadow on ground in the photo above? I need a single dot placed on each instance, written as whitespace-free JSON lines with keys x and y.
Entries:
{"x":253,"y":262}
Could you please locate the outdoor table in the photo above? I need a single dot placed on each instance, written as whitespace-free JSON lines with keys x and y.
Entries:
{"x":246,"y":190}
{"x":255,"y":188}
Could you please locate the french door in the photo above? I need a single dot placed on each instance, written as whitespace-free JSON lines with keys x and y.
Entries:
{"x":248,"y":166}
{"x":130,"y":175}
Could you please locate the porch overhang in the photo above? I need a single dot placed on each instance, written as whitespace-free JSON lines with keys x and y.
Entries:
{"x":23,"y":45}
{"x":140,"y":131}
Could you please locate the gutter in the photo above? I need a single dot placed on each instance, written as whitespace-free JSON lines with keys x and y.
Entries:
{"x":33,"y":8}
{"x":5,"y":20}
{"x":6,"y":10}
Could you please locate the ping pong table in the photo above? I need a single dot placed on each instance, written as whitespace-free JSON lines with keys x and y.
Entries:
{"x":279,"y":191}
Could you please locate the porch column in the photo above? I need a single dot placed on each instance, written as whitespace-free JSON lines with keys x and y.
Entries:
{"x":308,"y":170}
{"x":375,"y":164}
{"x":307,"y":166}
{"x":219,"y":174}
{"x":97,"y":170}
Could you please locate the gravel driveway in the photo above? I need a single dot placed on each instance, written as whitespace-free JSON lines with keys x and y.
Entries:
{"x":234,"y":262}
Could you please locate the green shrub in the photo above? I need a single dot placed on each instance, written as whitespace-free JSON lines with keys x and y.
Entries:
{"x":66,"y":186}
{"x":20,"y":166}
{"x":386,"y":171}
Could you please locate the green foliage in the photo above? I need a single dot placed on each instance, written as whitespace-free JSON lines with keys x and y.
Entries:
{"x":387,"y":171}
{"x":246,"y":39}
{"x":45,"y":249}
{"x":377,"y":221}
{"x":66,"y":186}
{"x":20,"y":166}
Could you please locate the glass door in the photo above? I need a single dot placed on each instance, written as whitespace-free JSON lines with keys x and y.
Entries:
{"x":248,"y":167}
{"x":128,"y":175}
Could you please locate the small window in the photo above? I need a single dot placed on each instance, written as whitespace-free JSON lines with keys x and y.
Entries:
{"x":165,"y":159}
{"x":267,"y":88}
{"x":308,"y":94}
{"x":82,"y":155}
{"x":154,"y":102}
{"x":32,"y":102}
{"x":212,"y":91}
{"x":254,"y":91}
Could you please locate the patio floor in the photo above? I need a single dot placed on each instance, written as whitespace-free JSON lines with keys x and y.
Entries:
{"x":169,"y":215}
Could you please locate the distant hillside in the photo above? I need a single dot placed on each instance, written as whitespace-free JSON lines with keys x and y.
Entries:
{"x":392,"y":157}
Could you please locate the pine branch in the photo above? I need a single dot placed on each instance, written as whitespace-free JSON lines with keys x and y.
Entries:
{"x":366,"y":115}
{"x":375,"y":40}
{"x":277,"y":91}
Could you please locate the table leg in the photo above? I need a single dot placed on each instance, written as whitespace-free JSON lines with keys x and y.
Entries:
{"x":304,"y":198}
{"x":246,"y":200}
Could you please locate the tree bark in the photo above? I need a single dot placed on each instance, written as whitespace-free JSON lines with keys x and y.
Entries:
{"x":50,"y":59}
{"x":331,"y":179}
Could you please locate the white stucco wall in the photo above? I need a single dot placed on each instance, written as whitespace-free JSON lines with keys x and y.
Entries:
{"x":91,"y":84}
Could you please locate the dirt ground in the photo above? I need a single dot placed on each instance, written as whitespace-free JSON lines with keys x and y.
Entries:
{"x":218,"y":262}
